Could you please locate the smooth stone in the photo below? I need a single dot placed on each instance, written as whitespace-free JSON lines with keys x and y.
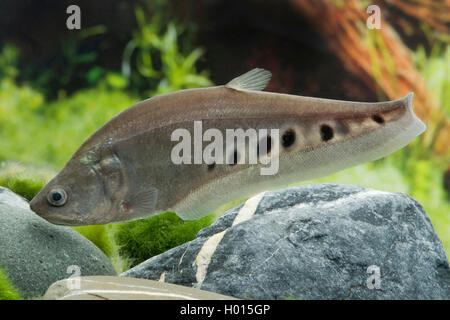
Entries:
{"x":119,"y":288}
{"x":35,"y":253}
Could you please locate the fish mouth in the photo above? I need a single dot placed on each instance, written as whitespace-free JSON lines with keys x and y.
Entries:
{"x":57,"y":220}
{"x":61,"y":221}
{"x":67,"y":223}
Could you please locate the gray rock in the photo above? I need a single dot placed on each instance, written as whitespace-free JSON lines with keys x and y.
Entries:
{"x":35,"y":253}
{"x":322,"y":241}
{"x":120,"y":288}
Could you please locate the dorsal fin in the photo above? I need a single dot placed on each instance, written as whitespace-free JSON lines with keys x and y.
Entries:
{"x":255,"y":79}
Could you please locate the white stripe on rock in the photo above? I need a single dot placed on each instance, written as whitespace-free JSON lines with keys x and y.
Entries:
{"x":162,"y":278}
{"x":209,"y":247}
{"x":248,"y":209}
{"x":204,"y":257}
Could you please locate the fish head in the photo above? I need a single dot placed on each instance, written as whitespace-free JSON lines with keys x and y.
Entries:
{"x":74,"y":197}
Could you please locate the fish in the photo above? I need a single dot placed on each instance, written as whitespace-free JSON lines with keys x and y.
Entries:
{"x":126,"y":171}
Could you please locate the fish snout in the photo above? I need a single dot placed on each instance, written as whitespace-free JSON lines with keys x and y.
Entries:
{"x":40,"y":207}
{"x":34,"y":205}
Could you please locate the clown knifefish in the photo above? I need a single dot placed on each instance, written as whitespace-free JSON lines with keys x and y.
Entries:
{"x":126,"y":169}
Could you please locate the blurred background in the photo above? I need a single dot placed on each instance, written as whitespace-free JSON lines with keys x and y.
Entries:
{"x":57,"y":86}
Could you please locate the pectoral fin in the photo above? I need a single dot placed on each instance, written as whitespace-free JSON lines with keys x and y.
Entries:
{"x":140,"y":203}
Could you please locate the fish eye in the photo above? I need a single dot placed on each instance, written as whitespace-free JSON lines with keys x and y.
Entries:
{"x":57,"y":197}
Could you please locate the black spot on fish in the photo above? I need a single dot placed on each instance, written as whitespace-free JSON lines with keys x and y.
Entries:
{"x":265,"y":140}
{"x":377,"y":118}
{"x":326,"y":132}
{"x":288,"y":138}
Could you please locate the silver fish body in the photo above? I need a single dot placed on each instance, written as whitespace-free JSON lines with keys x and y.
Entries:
{"x":124,"y":171}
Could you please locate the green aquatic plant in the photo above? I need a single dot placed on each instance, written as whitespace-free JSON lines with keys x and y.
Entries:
{"x":8,"y":62}
{"x":156,"y":63}
{"x":142,"y":239}
{"x":77,"y":117}
{"x":77,"y":64}
{"x":42,"y":133}
{"x":7,"y":290}
{"x":435,"y":69}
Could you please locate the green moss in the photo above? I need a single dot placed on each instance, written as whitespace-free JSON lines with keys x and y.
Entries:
{"x":129,"y":243}
{"x":142,"y":239}
{"x":103,"y":237}
{"x":7,"y":290}
{"x":99,"y":235}
{"x":23,"y":180}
